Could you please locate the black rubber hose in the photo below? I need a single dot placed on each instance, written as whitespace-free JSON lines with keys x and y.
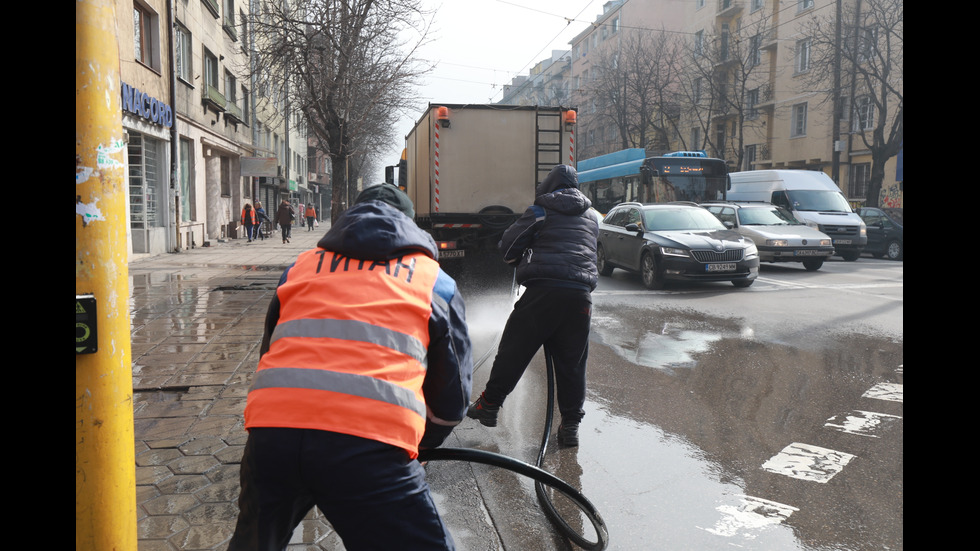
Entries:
{"x":540,"y":477}
{"x":602,"y":535}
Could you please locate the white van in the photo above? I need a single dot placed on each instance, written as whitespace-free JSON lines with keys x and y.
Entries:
{"x":812,"y":197}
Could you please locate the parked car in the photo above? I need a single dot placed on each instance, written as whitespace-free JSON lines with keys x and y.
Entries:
{"x":885,"y":232}
{"x":779,"y":236}
{"x":664,"y":242}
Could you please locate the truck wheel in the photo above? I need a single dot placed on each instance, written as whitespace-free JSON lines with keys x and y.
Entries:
{"x":850,"y":256}
{"x":604,"y":268}
{"x":813,"y":264}
{"x":894,"y":251}
{"x":653,"y":278}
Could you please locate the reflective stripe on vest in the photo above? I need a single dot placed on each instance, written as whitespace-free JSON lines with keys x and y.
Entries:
{"x":349,"y":351}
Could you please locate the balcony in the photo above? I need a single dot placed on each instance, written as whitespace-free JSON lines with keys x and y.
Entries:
{"x":234,"y":113}
{"x":214,"y":99}
{"x":728,"y":8}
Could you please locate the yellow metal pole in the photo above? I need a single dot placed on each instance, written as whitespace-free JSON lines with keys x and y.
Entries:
{"x":105,"y":471}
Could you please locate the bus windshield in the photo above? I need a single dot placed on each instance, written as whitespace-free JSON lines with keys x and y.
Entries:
{"x":627,"y":175}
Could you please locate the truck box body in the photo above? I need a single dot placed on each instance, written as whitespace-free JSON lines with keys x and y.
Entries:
{"x":812,"y":197}
{"x":472,"y":169}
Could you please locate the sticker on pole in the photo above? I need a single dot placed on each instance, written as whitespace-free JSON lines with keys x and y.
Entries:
{"x":86,"y":341}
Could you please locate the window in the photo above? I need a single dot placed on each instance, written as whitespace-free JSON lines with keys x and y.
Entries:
{"x":749,"y":157}
{"x":145,"y":37}
{"x":695,"y":138}
{"x":803,"y":55}
{"x":698,"y":86}
{"x":803,"y":5}
{"x":210,"y":69}
{"x":755,"y":5}
{"x":725,"y":39}
{"x":231,"y":88}
{"x":864,"y":114}
{"x":755,"y":50}
{"x":867,"y":43}
{"x":799,"y":120}
{"x":183,"y":59}
{"x":699,"y":43}
{"x":245,"y":102}
{"x":187,"y":198}
{"x":860,"y":176}
{"x":228,"y":21}
{"x":751,"y":99}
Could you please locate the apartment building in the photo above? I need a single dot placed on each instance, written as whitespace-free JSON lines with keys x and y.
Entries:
{"x":744,"y":87}
{"x":547,"y":83}
{"x":768,"y":69}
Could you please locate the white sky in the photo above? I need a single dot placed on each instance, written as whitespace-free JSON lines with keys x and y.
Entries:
{"x":480,"y":45}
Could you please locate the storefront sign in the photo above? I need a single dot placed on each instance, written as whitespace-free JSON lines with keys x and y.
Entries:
{"x":146,"y":107}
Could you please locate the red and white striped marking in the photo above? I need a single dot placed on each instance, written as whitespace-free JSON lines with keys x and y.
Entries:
{"x":435,"y":163}
{"x":571,"y":146}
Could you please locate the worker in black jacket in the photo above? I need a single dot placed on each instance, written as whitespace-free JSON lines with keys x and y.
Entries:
{"x":553,"y":247}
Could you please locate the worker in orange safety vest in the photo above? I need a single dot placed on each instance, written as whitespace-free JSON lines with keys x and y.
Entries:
{"x":365,"y":359}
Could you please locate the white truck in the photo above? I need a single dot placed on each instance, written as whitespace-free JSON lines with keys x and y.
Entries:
{"x":812,"y":197}
{"x":471,"y":169}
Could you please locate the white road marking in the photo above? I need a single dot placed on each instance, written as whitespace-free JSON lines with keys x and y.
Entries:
{"x":808,"y":462}
{"x":862,"y":423}
{"x":885,"y":391}
{"x":749,"y":516}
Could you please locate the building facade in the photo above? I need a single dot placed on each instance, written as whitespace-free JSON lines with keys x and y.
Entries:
{"x":203,"y":140}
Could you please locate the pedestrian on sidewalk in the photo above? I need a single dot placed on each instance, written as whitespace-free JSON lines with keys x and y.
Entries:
{"x":262,"y":217}
{"x":310,"y":216}
{"x":284,"y":216}
{"x":302,"y":209}
{"x":249,"y":221}
{"x":366,"y":359}
{"x":553,"y":247}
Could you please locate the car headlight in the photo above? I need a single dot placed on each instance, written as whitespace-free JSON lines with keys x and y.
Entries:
{"x":670,"y":251}
{"x":825,"y":242}
{"x":751,"y":251}
{"x":864,"y":229}
{"x":776,"y":243}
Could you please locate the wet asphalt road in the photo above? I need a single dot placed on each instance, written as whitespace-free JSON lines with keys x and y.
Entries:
{"x":759,"y":418}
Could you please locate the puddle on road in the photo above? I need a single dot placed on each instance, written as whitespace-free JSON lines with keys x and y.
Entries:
{"x":669,"y":341}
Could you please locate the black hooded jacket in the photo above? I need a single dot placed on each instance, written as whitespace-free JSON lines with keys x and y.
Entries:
{"x":554,"y":242}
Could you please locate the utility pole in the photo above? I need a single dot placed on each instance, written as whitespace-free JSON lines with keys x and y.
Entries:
{"x":105,"y":462}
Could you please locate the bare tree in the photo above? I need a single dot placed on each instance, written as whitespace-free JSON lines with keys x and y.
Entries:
{"x":861,"y":63}
{"x":723,"y":81}
{"x":635,"y":86}
{"x":348,"y":67}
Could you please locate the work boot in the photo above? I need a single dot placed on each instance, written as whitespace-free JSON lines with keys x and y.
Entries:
{"x":483,"y":411}
{"x":568,"y":434}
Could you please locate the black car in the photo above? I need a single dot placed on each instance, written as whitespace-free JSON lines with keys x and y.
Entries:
{"x":885,"y":232}
{"x":674,"y":242}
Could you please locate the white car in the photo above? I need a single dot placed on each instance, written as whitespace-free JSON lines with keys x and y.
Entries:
{"x":776,"y":233}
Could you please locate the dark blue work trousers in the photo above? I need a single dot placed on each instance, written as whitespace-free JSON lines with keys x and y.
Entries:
{"x":558,"y":318}
{"x":372,"y":494}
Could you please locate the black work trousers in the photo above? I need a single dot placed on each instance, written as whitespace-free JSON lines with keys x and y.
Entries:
{"x":372,"y":494}
{"x":555,"y":317}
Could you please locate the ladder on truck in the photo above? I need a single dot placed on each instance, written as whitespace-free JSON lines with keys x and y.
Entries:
{"x":548,"y":141}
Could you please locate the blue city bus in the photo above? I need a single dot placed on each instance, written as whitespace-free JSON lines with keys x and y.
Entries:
{"x":629,"y":175}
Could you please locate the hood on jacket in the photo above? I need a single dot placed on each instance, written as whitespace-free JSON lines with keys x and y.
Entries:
{"x":375,"y":230}
{"x":560,"y":177}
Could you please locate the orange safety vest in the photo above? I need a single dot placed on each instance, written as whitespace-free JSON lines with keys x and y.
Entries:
{"x":348,"y":353}
{"x":244,"y":221}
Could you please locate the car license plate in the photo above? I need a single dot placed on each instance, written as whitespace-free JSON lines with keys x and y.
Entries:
{"x":805,"y":252}
{"x":727,"y":267}
{"x":842,"y":241}
{"x":456,"y":253}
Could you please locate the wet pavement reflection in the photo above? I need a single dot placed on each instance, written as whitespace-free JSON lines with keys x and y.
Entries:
{"x":699,"y":432}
